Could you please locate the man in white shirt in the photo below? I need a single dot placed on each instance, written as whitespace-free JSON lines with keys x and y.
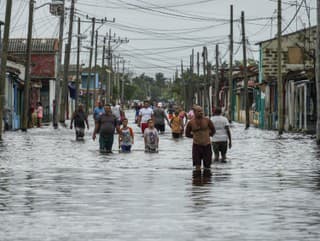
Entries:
{"x":221,"y":137}
{"x":145,"y":114}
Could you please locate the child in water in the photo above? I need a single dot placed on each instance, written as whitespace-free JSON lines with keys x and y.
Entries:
{"x":126,"y":136}
{"x":151,"y":138}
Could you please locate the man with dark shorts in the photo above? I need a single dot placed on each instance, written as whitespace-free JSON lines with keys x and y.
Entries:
{"x":220,"y":139}
{"x":160,"y":116}
{"x":105,"y":125}
{"x":200,"y":128}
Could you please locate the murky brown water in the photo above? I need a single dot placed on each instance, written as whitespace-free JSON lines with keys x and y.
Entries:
{"x":54,"y":188}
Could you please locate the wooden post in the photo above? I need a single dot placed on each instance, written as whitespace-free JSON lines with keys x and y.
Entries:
{"x":216,"y":83}
{"x":4,"y":56}
{"x":230,"y":107}
{"x":318,"y":72}
{"x":245,"y":72}
{"x":58,"y":78}
{"x":26,"y":96}
{"x":95,"y":69}
{"x":103,"y":68}
{"x":64,"y":94}
{"x":279,"y":73}
{"x":90,"y":66}
{"x":78,"y":79}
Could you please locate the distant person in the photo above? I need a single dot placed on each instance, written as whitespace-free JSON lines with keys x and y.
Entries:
{"x":105,"y":125}
{"x":39,"y":112}
{"x":137,"y":108}
{"x":5,"y":116}
{"x":116,"y":110}
{"x":170,"y":111}
{"x":200,"y":128}
{"x":176,"y":124}
{"x":145,"y":113}
{"x":151,"y":138}
{"x":190,"y":113}
{"x":79,"y":119}
{"x":98,"y":110}
{"x":126,"y":136}
{"x":160,"y":117}
{"x":182,"y":115}
{"x":222,"y":135}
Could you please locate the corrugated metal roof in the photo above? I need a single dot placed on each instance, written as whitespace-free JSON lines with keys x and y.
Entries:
{"x":43,"y":45}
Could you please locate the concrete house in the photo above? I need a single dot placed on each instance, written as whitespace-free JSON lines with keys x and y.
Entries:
{"x":298,"y":63}
{"x":43,"y":70}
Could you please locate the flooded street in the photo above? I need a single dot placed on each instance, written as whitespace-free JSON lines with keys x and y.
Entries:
{"x":54,"y":188}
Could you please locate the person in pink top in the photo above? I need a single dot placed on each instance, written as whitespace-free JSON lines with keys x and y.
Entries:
{"x":39,"y":112}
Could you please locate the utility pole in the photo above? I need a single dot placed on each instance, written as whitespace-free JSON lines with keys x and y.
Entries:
{"x":118,"y":77}
{"x":4,"y":57}
{"x":78,"y":64}
{"x":183,"y":86}
{"x":95,"y":68}
{"x":198,"y":79}
{"x":26,"y":96}
{"x":230,"y":106}
{"x":109,"y":85}
{"x":64,"y":95}
{"x":103,"y":68}
{"x":205,"y":75}
{"x":122,"y":86}
{"x":245,"y":71}
{"x":90,"y":66}
{"x":216,"y":84}
{"x":58,"y":79}
{"x":318,"y":72}
{"x":279,"y":73}
{"x":191,"y":85}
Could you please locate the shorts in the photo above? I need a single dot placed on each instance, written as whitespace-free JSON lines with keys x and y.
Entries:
{"x":143,"y":127}
{"x":79,"y":132}
{"x":176,"y":135}
{"x":202,"y":153}
{"x":126,"y":148}
{"x":106,"y":142}
{"x":221,"y":146}
{"x":160,"y":127}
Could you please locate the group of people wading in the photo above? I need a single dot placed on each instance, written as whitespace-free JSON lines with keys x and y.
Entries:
{"x":208,"y":134}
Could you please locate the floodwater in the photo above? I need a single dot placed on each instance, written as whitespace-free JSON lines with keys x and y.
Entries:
{"x":54,"y":188}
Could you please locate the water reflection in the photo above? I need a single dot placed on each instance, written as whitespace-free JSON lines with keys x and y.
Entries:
{"x":4,"y":189}
{"x":201,"y":188}
{"x":201,"y":178}
{"x":52,"y":187}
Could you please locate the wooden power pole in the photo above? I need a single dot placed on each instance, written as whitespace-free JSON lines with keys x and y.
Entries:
{"x":90,"y":66}
{"x":230,"y":107}
{"x":103,"y":68}
{"x":318,"y":72}
{"x":26,"y":96}
{"x":216,"y":83}
{"x":58,"y":78}
{"x":64,"y":94}
{"x":245,"y":72}
{"x":95,"y":68}
{"x":78,"y":79}
{"x":279,"y":73}
{"x":4,"y":56}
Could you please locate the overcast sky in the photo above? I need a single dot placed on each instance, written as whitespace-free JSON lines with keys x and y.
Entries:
{"x":164,"y":32}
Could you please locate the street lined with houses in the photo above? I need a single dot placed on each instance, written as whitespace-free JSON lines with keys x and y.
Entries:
{"x":159,"y":120}
{"x":54,"y":188}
